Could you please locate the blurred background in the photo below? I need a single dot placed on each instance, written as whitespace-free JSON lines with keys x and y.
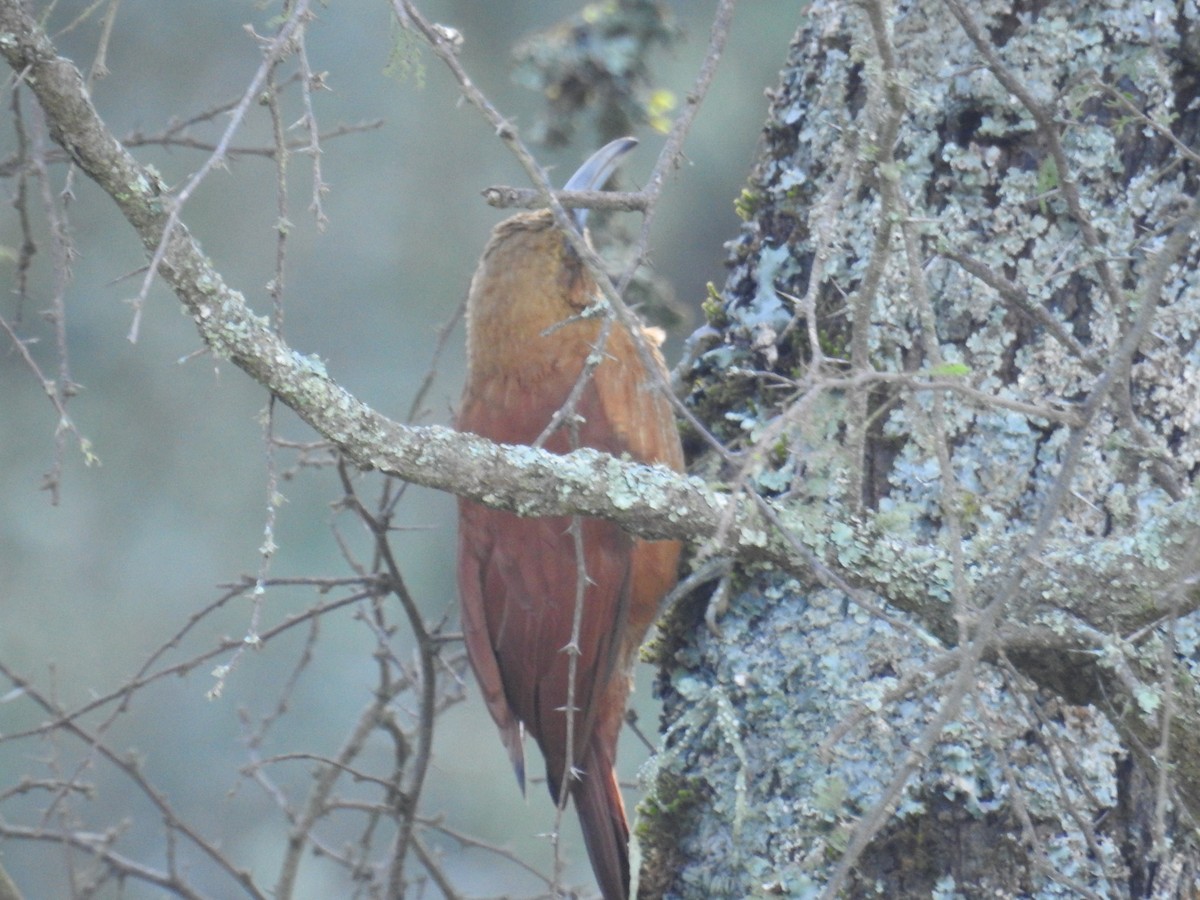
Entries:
{"x":137,"y":544}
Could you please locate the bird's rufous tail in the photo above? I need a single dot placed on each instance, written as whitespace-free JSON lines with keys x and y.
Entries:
{"x":602,"y":816}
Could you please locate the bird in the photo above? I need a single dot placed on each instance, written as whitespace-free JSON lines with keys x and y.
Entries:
{"x":530,"y":333}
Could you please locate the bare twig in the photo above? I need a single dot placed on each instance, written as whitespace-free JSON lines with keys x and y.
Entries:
{"x":446,"y":48}
{"x":427,"y":649}
{"x":280,"y":46}
{"x":528,"y":198}
{"x":131,"y":769}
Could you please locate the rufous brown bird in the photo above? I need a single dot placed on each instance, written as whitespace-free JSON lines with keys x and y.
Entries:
{"x":527,"y":346}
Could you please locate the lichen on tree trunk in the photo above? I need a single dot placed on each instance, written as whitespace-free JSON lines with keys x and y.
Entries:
{"x":963,"y":310}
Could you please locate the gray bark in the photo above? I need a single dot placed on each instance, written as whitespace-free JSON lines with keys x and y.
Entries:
{"x":957,"y":350}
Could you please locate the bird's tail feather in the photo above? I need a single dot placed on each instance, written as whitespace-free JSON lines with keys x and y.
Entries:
{"x":605,"y":831}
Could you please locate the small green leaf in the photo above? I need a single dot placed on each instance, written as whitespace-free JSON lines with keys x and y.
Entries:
{"x":1148,"y":700}
{"x":950,"y":370}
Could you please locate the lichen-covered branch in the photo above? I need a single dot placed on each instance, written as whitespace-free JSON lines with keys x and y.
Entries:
{"x":1085,"y":621}
{"x":651,"y":502}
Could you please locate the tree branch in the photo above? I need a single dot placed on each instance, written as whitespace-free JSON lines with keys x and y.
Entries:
{"x":502,"y":196}
{"x":651,"y":502}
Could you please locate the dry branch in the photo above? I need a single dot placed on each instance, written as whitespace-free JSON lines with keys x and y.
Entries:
{"x":647,"y":501}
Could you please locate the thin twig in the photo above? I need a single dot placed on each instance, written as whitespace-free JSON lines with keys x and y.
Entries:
{"x":427,"y":662}
{"x":528,"y":198}
{"x":131,"y":769}
{"x":62,"y":252}
{"x":279,"y":47}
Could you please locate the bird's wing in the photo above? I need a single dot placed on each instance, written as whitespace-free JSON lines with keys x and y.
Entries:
{"x":519,"y":580}
{"x":474,"y":559}
{"x":519,"y":601}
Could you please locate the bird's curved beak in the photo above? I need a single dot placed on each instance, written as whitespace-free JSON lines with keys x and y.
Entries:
{"x":599,"y":167}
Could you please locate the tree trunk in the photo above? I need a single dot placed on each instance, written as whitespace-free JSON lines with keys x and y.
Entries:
{"x":962,"y":320}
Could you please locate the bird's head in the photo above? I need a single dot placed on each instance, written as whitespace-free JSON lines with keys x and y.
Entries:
{"x":530,"y":278}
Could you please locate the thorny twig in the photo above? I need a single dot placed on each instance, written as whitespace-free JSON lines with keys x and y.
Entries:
{"x":273,"y":52}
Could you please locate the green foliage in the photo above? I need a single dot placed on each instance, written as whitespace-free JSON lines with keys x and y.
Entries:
{"x":747,"y":204}
{"x":950,"y":370}
{"x":593,"y":67}
{"x":713,"y":308}
{"x":405,"y":60}
{"x":668,"y":807}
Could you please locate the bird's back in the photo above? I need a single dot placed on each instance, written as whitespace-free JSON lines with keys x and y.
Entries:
{"x":520,"y":578}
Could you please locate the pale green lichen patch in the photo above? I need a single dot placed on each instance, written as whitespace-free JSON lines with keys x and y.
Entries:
{"x":639,"y":486}
{"x":623,"y":493}
{"x":791,"y":666}
{"x":933,"y":498}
